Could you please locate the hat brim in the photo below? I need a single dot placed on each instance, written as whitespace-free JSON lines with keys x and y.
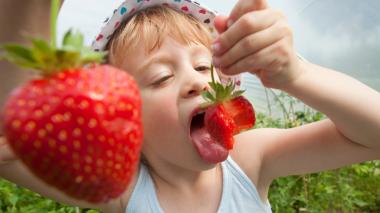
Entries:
{"x":129,"y":7}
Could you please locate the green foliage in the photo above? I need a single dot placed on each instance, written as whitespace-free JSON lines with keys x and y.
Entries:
{"x":16,"y":199}
{"x":354,"y":188}
{"x":350,"y":189}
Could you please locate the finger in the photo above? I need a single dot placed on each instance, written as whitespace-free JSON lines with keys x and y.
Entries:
{"x":248,"y":24}
{"x":220,"y":23}
{"x":6,"y":154}
{"x":245,"y":6}
{"x":269,"y":58}
{"x":252,"y":44}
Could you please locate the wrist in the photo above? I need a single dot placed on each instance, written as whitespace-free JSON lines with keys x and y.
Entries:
{"x":296,"y":73}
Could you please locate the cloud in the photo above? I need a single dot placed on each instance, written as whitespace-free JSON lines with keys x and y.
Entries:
{"x":345,"y":38}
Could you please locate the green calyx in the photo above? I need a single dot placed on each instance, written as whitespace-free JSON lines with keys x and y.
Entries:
{"x":47,"y":58}
{"x":219,"y":93}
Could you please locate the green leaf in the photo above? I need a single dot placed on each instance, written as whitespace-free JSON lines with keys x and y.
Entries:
{"x":20,"y":56}
{"x":213,"y":85}
{"x":72,"y":40}
{"x":88,"y":56}
{"x":41,"y":46}
{"x":208,"y":96}
{"x":228,"y":90}
{"x":237,"y":93}
{"x":221,"y":92}
{"x":67,"y":59}
{"x":17,"y":51}
{"x":43,"y":53}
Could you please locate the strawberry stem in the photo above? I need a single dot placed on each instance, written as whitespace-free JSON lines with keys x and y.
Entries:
{"x":53,"y":22}
{"x":218,"y":92}
{"x":212,"y":74}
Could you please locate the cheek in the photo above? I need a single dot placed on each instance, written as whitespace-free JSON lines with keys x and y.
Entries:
{"x":160,"y":114}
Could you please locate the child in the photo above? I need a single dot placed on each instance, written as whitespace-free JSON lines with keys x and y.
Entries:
{"x":168,"y":54}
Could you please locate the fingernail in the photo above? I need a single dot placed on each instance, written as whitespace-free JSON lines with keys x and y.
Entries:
{"x":229,"y":23}
{"x":216,"y":47}
{"x":216,"y":61}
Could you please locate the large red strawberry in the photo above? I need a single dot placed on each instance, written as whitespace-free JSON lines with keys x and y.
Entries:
{"x":76,"y":127}
{"x":227,"y":112}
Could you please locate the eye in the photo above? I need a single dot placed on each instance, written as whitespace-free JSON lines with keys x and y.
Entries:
{"x":202,"y":68}
{"x":162,"y":80}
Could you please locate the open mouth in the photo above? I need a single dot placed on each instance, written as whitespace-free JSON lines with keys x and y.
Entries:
{"x":197,"y":122}
{"x":206,"y":146}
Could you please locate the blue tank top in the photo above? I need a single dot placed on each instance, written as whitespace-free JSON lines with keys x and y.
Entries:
{"x":239,"y":194}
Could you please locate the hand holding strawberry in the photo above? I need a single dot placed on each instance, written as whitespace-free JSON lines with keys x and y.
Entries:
{"x":227,"y":112}
{"x":258,"y":40}
{"x":78,"y":127}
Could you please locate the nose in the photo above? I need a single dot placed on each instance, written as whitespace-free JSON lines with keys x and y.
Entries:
{"x":194,"y":85}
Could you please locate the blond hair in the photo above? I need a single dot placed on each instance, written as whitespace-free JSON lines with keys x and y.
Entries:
{"x":152,"y":25}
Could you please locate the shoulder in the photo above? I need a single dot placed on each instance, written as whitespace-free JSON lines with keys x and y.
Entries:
{"x":249,"y":151}
{"x":250,"y":146}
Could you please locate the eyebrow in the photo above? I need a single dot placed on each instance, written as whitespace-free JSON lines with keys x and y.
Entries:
{"x":200,"y":50}
{"x":161,"y":59}
{"x":167,"y":58}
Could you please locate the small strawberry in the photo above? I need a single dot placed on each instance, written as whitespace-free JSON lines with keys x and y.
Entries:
{"x":227,"y":112}
{"x":77,"y":128}
{"x":220,"y":125}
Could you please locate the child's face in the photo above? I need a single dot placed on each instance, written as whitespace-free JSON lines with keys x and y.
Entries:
{"x":171,"y":80}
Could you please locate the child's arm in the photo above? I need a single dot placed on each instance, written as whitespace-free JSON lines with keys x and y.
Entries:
{"x":350,"y":136}
{"x":260,"y":41}
{"x":15,"y":171}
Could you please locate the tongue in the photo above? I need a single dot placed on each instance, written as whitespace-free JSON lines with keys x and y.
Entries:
{"x":208,"y":148}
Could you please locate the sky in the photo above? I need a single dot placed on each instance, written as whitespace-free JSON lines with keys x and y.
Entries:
{"x":340,"y":34}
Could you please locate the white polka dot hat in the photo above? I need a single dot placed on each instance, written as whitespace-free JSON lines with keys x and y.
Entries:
{"x":129,"y":7}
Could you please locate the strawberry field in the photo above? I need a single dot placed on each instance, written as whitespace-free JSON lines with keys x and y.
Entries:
{"x":350,"y":189}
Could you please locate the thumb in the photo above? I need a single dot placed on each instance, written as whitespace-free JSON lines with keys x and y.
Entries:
{"x":220,"y":23}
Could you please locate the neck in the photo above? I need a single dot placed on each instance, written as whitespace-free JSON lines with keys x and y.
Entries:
{"x":178,"y":187}
{"x":172,"y":176}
